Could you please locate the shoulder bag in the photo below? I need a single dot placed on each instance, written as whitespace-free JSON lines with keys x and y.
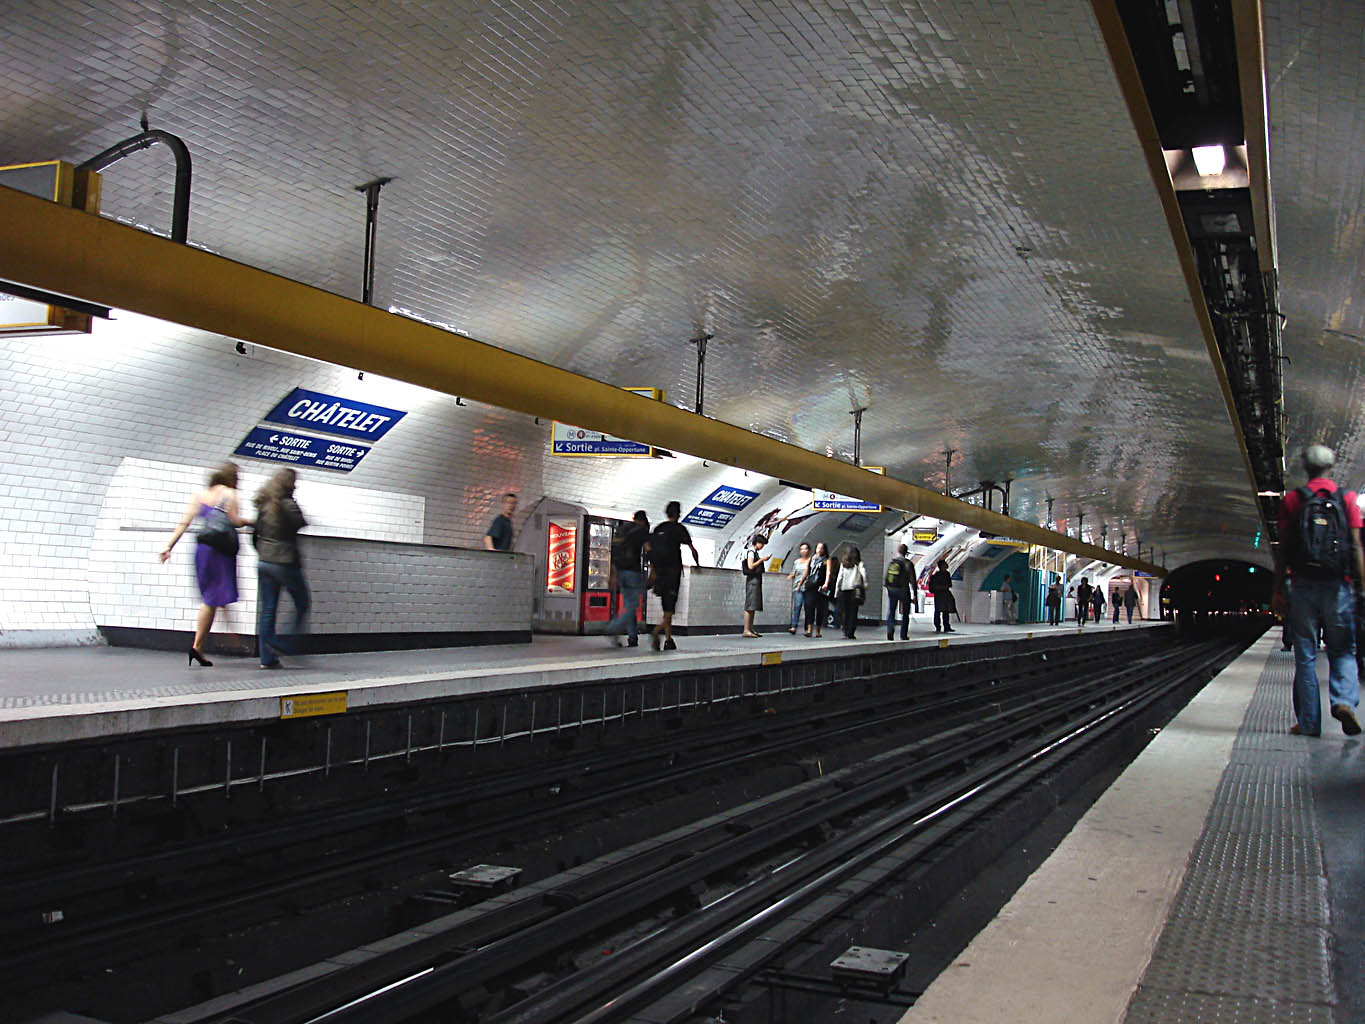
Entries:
{"x":217,"y":532}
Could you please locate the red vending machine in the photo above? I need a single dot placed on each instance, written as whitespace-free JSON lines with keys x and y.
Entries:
{"x":599,"y":603}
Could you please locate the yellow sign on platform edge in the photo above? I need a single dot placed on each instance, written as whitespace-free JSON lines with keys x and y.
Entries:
{"x":772,"y":657}
{"x":307,"y":705}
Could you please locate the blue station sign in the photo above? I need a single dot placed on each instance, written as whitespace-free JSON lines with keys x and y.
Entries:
{"x":712,"y":517}
{"x":311,"y":410}
{"x":273,"y":445}
{"x":733,"y":498}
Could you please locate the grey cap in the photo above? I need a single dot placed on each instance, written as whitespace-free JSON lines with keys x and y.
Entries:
{"x":1318,"y":458}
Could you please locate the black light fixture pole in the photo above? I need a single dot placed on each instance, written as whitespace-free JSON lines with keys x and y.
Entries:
{"x":857,"y":415}
{"x":700,"y":341}
{"x":948,"y":454}
{"x":1050,"y":500}
{"x":371,"y":192}
{"x":1080,"y":526}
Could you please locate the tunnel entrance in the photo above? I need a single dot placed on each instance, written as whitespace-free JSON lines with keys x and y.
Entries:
{"x":1217,"y":588}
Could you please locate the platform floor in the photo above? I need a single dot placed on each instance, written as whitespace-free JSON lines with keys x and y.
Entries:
{"x":61,"y":694}
{"x":1218,"y":879}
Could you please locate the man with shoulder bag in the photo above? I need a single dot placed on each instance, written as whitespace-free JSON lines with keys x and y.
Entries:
{"x":1320,"y":554}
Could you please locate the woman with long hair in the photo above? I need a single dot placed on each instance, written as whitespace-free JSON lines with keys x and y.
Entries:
{"x":852,"y":586}
{"x":213,"y":512}
{"x":817,"y":589}
{"x":280,"y":567}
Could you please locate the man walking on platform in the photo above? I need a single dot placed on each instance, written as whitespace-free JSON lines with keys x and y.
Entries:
{"x":665,"y":559}
{"x":1130,"y":601}
{"x":1319,"y":550}
{"x":1083,"y":593}
{"x":900,"y":577}
{"x":626,"y":568}
{"x":500,"y":533}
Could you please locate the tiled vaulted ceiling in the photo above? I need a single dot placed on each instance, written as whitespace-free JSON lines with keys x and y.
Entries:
{"x":937,"y":209}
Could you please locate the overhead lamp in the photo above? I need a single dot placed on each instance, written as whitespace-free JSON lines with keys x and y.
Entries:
{"x":1209,"y":160}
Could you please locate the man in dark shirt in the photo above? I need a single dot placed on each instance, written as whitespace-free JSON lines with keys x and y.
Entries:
{"x":1321,"y":598}
{"x":941,"y":586}
{"x":499,"y":535}
{"x":665,"y":558}
{"x":1083,"y":593}
{"x":626,"y":555}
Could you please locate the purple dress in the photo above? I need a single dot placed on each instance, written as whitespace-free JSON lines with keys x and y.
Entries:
{"x":215,"y":571}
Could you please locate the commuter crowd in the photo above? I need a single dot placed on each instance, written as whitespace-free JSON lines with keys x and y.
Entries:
{"x":826,"y":590}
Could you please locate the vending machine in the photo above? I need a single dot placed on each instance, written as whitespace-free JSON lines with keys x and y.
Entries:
{"x":572,"y":553}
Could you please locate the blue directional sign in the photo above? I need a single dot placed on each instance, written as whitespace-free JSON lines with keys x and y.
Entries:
{"x":274,"y":445}
{"x":712,"y":517}
{"x":312,"y":410}
{"x":733,"y":498}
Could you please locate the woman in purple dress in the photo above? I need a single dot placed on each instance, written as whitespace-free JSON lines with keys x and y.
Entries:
{"x":213,"y":512}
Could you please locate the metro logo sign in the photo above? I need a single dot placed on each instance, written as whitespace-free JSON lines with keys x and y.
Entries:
{"x":732,"y":498}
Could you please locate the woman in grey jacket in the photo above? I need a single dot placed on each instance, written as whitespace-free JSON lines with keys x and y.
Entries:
{"x":278,"y":522}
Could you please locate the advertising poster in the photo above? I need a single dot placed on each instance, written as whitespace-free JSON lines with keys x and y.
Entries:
{"x":562,"y":558}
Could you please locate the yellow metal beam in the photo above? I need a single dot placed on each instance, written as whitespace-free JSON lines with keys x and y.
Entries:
{"x":88,"y":257}
{"x":1248,"y":29}
{"x":1130,"y":85}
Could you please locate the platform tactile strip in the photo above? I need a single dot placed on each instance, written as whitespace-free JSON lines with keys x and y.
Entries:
{"x":1248,"y":936}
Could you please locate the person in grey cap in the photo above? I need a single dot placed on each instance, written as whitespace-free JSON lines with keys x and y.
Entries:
{"x":1319,"y":552}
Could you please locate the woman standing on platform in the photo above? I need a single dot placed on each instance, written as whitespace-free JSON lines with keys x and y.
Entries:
{"x":852,"y":589}
{"x":815,"y":597}
{"x":798,"y":577}
{"x":278,"y":522}
{"x":213,"y":511}
{"x":753,"y":565}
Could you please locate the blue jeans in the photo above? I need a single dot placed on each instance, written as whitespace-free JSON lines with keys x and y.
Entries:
{"x":1329,"y":606}
{"x":898,"y":598}
{"x":632,"y":585}
{"x":798,"y":603}
{"x":271,"y":577}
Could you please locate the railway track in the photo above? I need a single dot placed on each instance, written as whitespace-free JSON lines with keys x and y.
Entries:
{"x":729,"y":886}
{"x":130,"y":907}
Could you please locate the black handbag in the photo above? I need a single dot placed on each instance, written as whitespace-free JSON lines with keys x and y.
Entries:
{"x":859,"y":594}
{"x":217,"y":532}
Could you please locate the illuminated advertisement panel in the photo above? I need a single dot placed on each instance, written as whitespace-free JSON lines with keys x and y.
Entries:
{"x":562,"y":559}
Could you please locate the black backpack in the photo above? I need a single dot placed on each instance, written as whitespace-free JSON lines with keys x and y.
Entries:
{"x":1322,"y":545}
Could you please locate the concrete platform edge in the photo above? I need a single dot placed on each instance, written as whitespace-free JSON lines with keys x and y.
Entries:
{"x":1073,"y":942}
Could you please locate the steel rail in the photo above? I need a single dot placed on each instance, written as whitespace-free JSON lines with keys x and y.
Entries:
{"x":304,"y":1001}
{"x":449,"y":979}
{"x":937,"y":698}
{"x":774,"y":900}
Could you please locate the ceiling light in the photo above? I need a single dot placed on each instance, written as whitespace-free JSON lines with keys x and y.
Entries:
{"x":1209,"y":160}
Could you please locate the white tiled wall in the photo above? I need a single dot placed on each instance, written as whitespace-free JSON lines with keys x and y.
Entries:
{"x":711,"y":598}
{"x":359,"y":586}
{"x":103,"y":437}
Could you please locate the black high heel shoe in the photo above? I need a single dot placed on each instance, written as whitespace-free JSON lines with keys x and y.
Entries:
{"x":194,"y":656}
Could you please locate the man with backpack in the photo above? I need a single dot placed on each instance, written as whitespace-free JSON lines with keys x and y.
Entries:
{"x":1319,"y":550}
{"x":900,"y":577}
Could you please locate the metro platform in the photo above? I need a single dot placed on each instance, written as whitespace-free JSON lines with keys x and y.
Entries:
{"x":59,"y":695}
{"x":1218,"y":879}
